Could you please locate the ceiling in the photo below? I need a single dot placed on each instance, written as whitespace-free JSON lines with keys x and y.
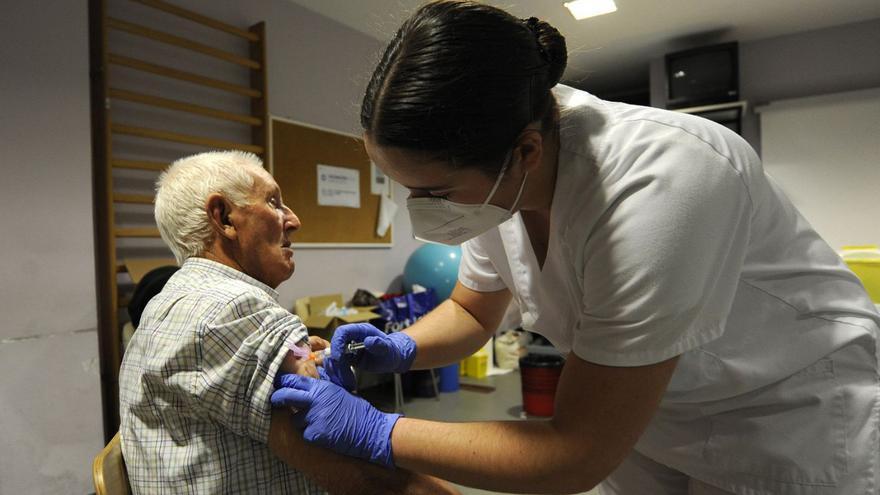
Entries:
{"x":610,"y":53}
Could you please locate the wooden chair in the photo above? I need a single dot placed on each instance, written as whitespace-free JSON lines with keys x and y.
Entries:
{"x":108,"y":470}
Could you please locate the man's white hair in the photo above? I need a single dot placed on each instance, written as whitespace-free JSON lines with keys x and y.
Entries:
{"x":182,"y":193}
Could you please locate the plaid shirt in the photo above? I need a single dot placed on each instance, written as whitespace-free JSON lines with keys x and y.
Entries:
{"x":195,"y":385}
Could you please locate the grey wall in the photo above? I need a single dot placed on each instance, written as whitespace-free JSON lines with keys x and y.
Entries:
{"x":831,"y":60}
{"x":50,"y":424}
{"x":50,"y":414}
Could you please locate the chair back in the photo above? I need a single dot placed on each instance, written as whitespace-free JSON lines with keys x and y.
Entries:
{"x":108,"y":470}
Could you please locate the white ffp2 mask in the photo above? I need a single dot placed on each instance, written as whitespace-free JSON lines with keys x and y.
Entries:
{"x":442,"y":221}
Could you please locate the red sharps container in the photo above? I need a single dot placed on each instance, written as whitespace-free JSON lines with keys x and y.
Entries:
{"x":540,"y":374}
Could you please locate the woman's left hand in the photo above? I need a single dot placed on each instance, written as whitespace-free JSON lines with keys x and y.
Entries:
{"x":337,"y":372}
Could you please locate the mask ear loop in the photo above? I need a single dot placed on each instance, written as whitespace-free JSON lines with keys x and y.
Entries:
{"x":519,"y":193}
{"x":500,"y":176}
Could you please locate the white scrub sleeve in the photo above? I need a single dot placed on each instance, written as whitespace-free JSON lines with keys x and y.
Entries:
{"x":476,"y":271}
{"x":662,"y":265}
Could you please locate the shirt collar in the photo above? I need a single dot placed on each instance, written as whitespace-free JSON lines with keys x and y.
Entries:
{"x":577,"y":170}
{"x":208,"y":266}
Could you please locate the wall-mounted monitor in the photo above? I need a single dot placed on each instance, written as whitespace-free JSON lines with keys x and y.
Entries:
{"x":703,"y":76}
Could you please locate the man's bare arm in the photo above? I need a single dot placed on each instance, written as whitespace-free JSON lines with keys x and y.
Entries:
{"x":339,"y":474}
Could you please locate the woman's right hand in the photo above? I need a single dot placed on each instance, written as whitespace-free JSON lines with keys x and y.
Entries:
{"x":382,"y":353}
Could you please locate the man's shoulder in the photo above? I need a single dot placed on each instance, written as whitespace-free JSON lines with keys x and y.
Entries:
{"x":194,"y":299}
{"x":215,"y":286}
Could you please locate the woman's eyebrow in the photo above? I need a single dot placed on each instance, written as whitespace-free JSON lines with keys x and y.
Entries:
{"x":430,"y":188}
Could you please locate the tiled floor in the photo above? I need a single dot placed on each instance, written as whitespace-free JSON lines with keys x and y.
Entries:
{"x":504,"y":403}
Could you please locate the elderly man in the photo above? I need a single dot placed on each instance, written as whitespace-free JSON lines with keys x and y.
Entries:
{"x":197,"y":376}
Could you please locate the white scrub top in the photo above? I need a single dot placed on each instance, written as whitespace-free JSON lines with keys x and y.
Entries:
{"x":668,"y":239}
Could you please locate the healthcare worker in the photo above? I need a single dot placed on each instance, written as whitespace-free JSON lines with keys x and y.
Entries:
{"x":715,"y":343}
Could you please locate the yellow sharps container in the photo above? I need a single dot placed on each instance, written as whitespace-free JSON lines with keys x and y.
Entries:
{"x":864,"y":261}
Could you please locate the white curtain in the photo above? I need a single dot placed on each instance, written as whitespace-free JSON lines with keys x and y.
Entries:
{"x":825,"y":153}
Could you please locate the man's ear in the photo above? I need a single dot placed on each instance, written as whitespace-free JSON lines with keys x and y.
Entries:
{"x":219,"y":210}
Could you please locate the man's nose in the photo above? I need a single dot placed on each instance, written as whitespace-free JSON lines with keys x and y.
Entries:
{"x":291,"y":221}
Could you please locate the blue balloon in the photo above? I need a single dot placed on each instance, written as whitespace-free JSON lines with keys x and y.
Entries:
{"x":433,"y":266}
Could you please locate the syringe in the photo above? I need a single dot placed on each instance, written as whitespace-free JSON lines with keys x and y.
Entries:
{"x":350,"y":348}
{"x":354,"y":347}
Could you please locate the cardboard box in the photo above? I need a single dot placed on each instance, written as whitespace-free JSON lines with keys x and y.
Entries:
{"x":312,"y":311}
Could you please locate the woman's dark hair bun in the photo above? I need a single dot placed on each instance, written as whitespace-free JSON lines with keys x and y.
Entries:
{"x":460,"y":81}
{"x":551,"y":44}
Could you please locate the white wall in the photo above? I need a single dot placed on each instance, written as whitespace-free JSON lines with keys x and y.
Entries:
{"x":825,"y":153}
{"x":50,"y":413}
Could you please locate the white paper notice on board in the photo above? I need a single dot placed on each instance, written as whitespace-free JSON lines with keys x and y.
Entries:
{"x":378,"y":181}
{"x":339,"y":186}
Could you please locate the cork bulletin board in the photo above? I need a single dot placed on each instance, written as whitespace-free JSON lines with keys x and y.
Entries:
{"x":297,"y":150}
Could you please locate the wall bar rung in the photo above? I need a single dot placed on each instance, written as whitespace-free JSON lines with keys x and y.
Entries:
{"x":181,"y":106}
{"x":198,"y":18}
{"x":164,"y":71}
{"x":139,"y":165}
{"x":141,"y":199}
{"x":170,"y":39}
{"x":145,"y":132}
{"x":137,"y":232}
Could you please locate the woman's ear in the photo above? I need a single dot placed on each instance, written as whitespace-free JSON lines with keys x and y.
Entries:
{"x":530,"y":149}
{"x":219,"y":210}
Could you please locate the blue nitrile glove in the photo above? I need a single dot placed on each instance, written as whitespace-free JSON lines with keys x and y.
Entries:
{"x":335,"y":419}
{"x":338,"y":373}
{"x":382,"y":353}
